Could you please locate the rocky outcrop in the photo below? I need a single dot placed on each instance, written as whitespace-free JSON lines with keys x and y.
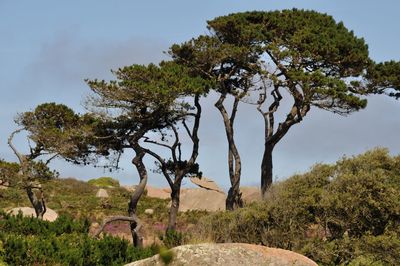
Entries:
{"x":50,"y":215}
{"x":201,"y":199}
{"x":206,"y":184}
{"x":230,"y":255}
{"x":160,"y":193}
{"x":250,"y":194}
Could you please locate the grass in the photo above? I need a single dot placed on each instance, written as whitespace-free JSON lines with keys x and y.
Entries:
{"x":78,"y":199}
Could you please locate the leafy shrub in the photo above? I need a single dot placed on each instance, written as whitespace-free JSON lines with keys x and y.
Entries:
{"x":28,"y":241}
{"x":172,"y":238}
{"x":347,"y":213}
{"x":104,"y":181}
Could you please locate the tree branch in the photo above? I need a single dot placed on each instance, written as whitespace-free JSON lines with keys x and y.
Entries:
{"x":106,"y":221}
{"x":20,"y":156}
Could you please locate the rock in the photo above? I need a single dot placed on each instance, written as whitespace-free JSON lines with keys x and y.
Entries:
{"x":102,"y":193}
{"x":250,"y":194}
{"x":4,"y":184}
{"x":230,"y":255}
{"x":160,"y":193}
{"x":50,"y":215}
{"x":93,"y":228}
{"x":149,"y":211}
{"x":129,"y":188}
{"x":206,"y":183}
{"x":201,"y":199}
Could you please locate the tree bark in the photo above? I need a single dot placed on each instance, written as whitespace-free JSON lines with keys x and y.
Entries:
{"x":118,"y":218}
{"x":132,"y":206}
{"x":266,"y":169}
{"x":233,"y":200}
{"x":175,"y":200}
{"x":38,"y":204}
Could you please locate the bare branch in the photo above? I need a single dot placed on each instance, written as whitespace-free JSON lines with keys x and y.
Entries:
{"x":147,"y":140}
{"x":187,"y":129}
{"x":20,"y":156}
{"x":131,"y":219}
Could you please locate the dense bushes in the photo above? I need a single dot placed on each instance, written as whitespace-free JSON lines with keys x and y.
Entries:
{"x":28,"y":241}
{"x":104,"y":181}
{"x":347,"y":213}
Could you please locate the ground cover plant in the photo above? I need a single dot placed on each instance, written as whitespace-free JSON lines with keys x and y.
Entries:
{"x":29,"y":241}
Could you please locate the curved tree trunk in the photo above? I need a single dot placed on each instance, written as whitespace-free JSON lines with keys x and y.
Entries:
{"x":175,"y":200}
{"x":38,"y":204}
{"x":266,"y":169}
{"x":233,"y":200}
{"x":138,"y":162}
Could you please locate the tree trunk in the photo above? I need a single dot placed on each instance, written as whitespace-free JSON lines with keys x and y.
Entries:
{"x":266,"y":169}
{"x":233,"y":200}
{"x":138,"y":162}
{"x":38,"y":204}
{"x":173,"y":210}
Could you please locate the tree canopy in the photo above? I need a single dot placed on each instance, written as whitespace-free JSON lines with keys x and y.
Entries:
{"x":302,"y":57}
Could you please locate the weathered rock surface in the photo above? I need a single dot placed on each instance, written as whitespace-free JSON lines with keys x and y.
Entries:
{"x":206,"y":184}
{"x":50,"y":215}
{"x":102,"y":193}
{"x":230,"y":255}
{"x":160,"y":193}
{"x":250,"y":194}
{"x":201,"y":199}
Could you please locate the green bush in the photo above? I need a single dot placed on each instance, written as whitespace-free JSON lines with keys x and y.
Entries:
{"x":347,"y":213}
{"x":173,"y":238}
{"x":29,"y":241}
{"x":104,"y":181}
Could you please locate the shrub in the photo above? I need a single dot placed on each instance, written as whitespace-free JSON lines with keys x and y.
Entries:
{"x":347,"y":213}
{"x":28,"y":241}
{"x":104,"y":182}
{"x":173,"y":238}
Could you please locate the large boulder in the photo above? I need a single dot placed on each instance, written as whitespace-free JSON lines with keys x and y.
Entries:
{"x":160,"y":193}
{"x":230,"y":255}
{"x":250,"y":194}
{"x":50,"y":214}
{"x":201,"y":199}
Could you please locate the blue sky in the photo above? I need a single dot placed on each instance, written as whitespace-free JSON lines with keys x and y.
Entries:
{"x":47,"y":49}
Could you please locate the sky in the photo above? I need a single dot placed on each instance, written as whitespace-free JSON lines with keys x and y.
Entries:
{"x":48,"y":48}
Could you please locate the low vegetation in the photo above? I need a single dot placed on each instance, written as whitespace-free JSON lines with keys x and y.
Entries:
{"x":78,"y":199}
{"x":104,"y":181}
{"x":342,"y":214}
{"x":29,"y":241}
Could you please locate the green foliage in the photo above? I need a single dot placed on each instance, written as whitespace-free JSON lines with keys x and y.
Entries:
{"x":104,"y":182}
{"x":385,"y":78}
{"x":347,"y":213}
{"x":28,"y":241}
{"x":172,"y":238}
{"x":55,"y":128}
{"x":166,"y":255}
{"x":78,"y":199}
{"x":285,"y":47}
{"x":2,"y":253}
{"x":8,"y":172}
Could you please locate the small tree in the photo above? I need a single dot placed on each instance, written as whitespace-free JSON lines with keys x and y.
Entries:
{"x":142,"y":101}
{"x":230,"y":68}
{"x":175,"y":168}
{"x":54,"y":130}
